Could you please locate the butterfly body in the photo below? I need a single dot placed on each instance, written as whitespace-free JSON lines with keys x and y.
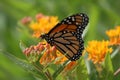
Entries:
{"x":66,"y":36}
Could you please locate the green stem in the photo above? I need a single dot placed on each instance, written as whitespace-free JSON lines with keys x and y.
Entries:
{"x":40,"y":70}
{"x":37,"y":67}
{"x":48,"y":75}
{"x":117,"y":72}
{"x":57,"y":72}
{"x":115,"y":52}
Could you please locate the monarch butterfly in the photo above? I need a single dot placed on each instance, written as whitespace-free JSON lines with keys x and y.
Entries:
{"x":66,"y":36}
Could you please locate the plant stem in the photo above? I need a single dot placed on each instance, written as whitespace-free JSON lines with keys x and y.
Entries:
{"x":57,"y":72}
{"x":40,"y":70}
{"x":48,"y":75}
{"x":115,"y":52}
{"x":117,"y":72}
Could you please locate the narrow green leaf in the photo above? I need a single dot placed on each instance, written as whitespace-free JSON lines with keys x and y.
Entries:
{"x":81,"y":70}
{"x":108,"y":68}
{"x":25,"y":65}
{"x":22,"y":46}
{"x":90,"y":68}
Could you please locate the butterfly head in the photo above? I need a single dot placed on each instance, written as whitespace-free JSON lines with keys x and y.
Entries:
{"x":47,"y":38}
{"x":44,"y":36}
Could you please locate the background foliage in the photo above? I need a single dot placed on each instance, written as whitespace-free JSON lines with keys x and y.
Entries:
{"x":103,"y":14}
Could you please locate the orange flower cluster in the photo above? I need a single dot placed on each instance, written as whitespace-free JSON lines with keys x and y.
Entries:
{"x":70,"y":66}
{"x":49,"y":55}
{"x":97,"y":50}
{"x":33,"y":52}
{"x":114,"y":35}
{"x":43,"y":24}
{"x":52,"y":55}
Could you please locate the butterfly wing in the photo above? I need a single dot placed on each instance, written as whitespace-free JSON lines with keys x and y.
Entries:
{"x":68,"y":44}
{"x":73,"y":23}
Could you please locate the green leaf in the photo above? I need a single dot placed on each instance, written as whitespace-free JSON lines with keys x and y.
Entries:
{"x":108,"y":68}
{"x":90,"y":68}
{"x":81,"y":70}
{"x":27,"y":66}
{"x":22,"y":46}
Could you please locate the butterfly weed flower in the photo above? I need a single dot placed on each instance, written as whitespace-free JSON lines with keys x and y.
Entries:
{"x":26,"y":20}
{"x":33,"y":52}
{"x":97,"y":50}
{"x":70,"y":66}
{"x":114,"y":35}
{"x":43,"y":24}
{"x":38,"y":16}
{"x":52,"y":55}
{"x":49,"y":55}
{"x":60,"y":58}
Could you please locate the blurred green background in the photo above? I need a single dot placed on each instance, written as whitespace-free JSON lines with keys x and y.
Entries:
{"x":103,"y":14}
